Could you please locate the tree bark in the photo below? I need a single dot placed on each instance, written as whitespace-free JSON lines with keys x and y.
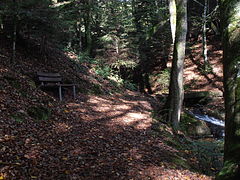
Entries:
{"x":173,"y":17}
{"x":14,"y":36}
{"x":78,"y":28}
{"x":204,"y":38}
{"x":88,"y":27}
{"x":176,"y":91}
{"x":231,"y":61}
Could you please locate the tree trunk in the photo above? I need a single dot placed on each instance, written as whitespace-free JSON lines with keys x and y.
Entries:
{"x":204,"y":38}
{"x":88,"y":28}
{"x":173,"y":17}
{"x":79,"y":35}
{"x":14,"y":36}
{"x":176,"y":92}
{"x":78,"y":29}
{"x":231,"y":61}
{"x":14,"y":39}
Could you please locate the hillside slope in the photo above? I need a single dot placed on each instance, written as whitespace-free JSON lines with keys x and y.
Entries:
{"x":91,"y":137}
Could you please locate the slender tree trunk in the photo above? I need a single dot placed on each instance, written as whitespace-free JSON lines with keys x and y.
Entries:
{"x":117,"y":44}
{"x":79,"y":36}
{"x":78,"y":28}
{"x":204,"y":39}
{"x":176,"y":91}
{"x":88,"y":28}
{"x":14,"y":32}
{"x":173,"y":17}
{"x":231,"y":61}
{"x":14,"y":40}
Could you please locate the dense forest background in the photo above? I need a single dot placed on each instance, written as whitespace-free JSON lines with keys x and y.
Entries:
{"x":141,"y":67}
{"x":132,"y":38}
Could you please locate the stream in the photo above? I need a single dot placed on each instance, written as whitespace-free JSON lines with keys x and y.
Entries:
{"x":217,"y":126}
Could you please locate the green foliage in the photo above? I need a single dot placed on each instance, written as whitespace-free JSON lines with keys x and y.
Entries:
{"x":34,"y":19}
{"x":84,"y":58}
{"x":38,"y":17}
{"x":109,"y":40}
{"x":162,"y":80}
{"x":180,"y":162}
{"x":209,"y":154}
{"x":19,"y":117}
{"x":107,"y":73}
{"x":129,"y":85}
{"x":104,"y":71}
{"x":206,"y":68}
{"x":229,"y":171}
{"x":111,"y":73}
{"x":203,"y":155}
{"x":39,"y":113}
{"x":32,"y":84}
{"x":123,"y":64}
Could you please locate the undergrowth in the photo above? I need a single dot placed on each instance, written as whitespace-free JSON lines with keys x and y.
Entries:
{"x":198,"y":155}
{"x":110,"y":72}
{"x":161,"y":80}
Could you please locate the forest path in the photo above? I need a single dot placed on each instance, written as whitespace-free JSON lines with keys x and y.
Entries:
{"x":110,"y":137}
{"x":96,"y":137}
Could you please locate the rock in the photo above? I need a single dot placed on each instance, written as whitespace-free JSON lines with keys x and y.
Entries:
{"x":194,"y":127}
{"x":199,"y":129}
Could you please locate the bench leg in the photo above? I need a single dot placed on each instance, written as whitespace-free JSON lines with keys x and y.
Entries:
{"x":60,"y":92}
{"x":74,"y":92}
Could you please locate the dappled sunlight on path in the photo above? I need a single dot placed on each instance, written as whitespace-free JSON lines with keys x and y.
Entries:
{"x":96,"y":137}
{"x":111,"y":138}
{"x":119,"y":111}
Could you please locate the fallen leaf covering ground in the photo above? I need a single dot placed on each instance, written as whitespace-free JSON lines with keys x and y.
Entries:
{"x":93,"y":137}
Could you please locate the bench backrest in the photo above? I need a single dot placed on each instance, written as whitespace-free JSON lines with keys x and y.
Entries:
{"x":49,"y":77}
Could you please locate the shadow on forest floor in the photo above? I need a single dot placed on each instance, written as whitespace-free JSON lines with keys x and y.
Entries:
{"x":95,"y":137}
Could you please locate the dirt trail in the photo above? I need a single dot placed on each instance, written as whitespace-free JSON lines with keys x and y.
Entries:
{"x":97,"y":137}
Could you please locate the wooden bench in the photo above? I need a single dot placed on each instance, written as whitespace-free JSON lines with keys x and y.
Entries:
{"x":54,"y":80}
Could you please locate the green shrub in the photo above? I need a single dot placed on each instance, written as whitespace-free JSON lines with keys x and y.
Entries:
{"x":162,"y":80}
{"x":108,"y":73}
{"x":129,"y":85}
{"x":84,"y":58}
{"x":124,"y":64}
